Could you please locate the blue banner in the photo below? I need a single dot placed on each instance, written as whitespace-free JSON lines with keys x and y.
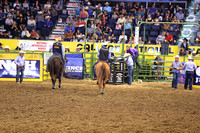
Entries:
{"x":196,"y":80}
{"x":74,"y":68}
{"x":181,"y":78}
{"x":8,"y":69}
{"x":74,"y":55}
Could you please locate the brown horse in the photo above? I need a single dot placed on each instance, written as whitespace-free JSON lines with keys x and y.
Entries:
{"x":102,"y":72}
{"x":55,"y":66}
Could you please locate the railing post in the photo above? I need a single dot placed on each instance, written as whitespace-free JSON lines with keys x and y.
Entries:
{"x":123,"y":39}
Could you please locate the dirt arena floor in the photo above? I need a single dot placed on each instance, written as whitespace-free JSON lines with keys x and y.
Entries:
{"x":141,"y":107}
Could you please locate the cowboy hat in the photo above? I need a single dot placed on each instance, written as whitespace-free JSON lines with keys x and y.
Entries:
{"x":19,"y":46}
{"x":106,"y":3}
{"x":59,"y":39}
{"x":6,"y":47}
{"x":9,"y":15}
{"x":197,"y":39}
{"x":177,"y":56}
{"x":190,"y":58}
{"x":66,"y":47}
{"x":78,"y":47}
{"x":39,"y":12}
{"x":47,"y":17}
{"x":22,"y":52}
{"x":105,"y":43}
{"x":126,"y":55}
{"x":185,"y":39}
{"x":89,"y":3}
{"x":1,"y":44}
{"x":86,"y":8}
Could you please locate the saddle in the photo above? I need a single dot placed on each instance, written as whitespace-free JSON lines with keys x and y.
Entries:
{"x":59,"y":58}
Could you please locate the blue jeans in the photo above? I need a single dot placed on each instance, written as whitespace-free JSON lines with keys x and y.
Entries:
{"x":64,"y":62}
{"x":175,"y":80}
{"x":130,"y":74}
{"x":20,"y":70}
{"x":188,"y":78}
{"x":135,"y":60}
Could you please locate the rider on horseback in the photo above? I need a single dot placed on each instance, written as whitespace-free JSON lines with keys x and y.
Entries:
{"x":104,"y":54}
{"x":58,"y":50}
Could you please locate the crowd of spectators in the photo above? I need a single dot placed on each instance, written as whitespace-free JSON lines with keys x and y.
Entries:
{"x":110,"y":23}
{"x":28,"y":20}
{"x":32,"y":20}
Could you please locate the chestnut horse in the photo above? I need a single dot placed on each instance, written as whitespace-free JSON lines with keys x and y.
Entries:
{"x":102,"y":72}
{"x":55,"y":66}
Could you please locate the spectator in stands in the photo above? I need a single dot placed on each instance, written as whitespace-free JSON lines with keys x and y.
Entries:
{"x":58,"y":8}
{"x":99,"y":13}
{"x":36,"y":6}
{"x":22,"y":23}
{"x":138,"y":18}
{"x":197,"y":41}
{"x":74,"y":23}
{"x":174,"y":27}
{"x":89,"y":11}
{"x":133,"y":40}
{"x":118,"y":29}
{"x":67,"y":49}
{"x":166,"y":26}
{"x":78,"y":49}
{"x":152,"y":10}
{"x":98,"y":31}
{"x":127,"y":28}
{"x":149,"y":18}
{"x":6,"y":9}
{"x":48,"y":24}
{"x":15,"y":32}
{"x":8,"y":22}
{"x":157,"y":64}
{"x":194,"y":54}
{"x":5,"y":34}
{"x":1,"y":48}
{"x":140,"y":40}
{"x":25,"y":5}
{"x":17,"y":16}
{"x":2,"y":17}
{"x":169,"y":39}
{"x":70,"y":27}
{"x":25,"y":34}
{"x":149,"y":42}
{"x":107,"y":8}
{"x":90,"y":6}
{"x":54,"y":14}
{"x":107,"y":32}
{"x":12,"y":12}
{"x":122,"y":38}
{"x":184,"y":45}
{"x":68,"y":35}
{"x":7,"y":49}
{"x":82,"y":39}
{"x":84,"y":14}
{"x":121,"y":19}
{"x":80,"y":25}
{"x":34,"y":35}
{"x":47,"y":5}
{"x":90,"y":30}
{"x":140,"y":13}
{"x":159,"y":43}
{"x":180,"y":15}
{"x":39,"y":20}
{"x":16,"y":4}
{"x":31,"y":23}
{"x":74,"y":39}
{"x":114,"y":15}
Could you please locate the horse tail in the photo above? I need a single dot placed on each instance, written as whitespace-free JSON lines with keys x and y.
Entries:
{"x":103,"y":68}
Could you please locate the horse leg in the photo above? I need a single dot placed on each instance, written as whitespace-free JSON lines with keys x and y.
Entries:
{"x":53,"y":83}
{"x":59,"y":81}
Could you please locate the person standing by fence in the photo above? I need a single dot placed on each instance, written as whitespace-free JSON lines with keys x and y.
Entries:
{"x":189,"y":67}
{"x":176,"y":67}
{"x":135,"y":53}
{"x":20,"y":62}
{"x":129,"y":63}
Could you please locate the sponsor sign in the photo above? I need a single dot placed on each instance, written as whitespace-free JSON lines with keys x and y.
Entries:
{"x":74,"y":68}
{"x":8,"y":69}
{"x":35,"y":45}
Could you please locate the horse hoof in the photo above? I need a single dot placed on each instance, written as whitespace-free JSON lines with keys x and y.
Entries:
{"x":59,"y":87}
{"x":53,"y":88}
{"x":102,"y":93}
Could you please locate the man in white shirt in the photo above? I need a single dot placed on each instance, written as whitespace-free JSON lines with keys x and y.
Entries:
{"x":8,"y":22}
{"x":121,"y":38}
{"x":121,"y":19}
{"x":31,"y":24}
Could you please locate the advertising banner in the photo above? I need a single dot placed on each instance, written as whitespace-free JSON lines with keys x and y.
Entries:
{"x":46,"y":57}
{"x":8,"y":69}
{"x":28,"y":45}
{"x":196,"y":80}
{"x":74,"y":68}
